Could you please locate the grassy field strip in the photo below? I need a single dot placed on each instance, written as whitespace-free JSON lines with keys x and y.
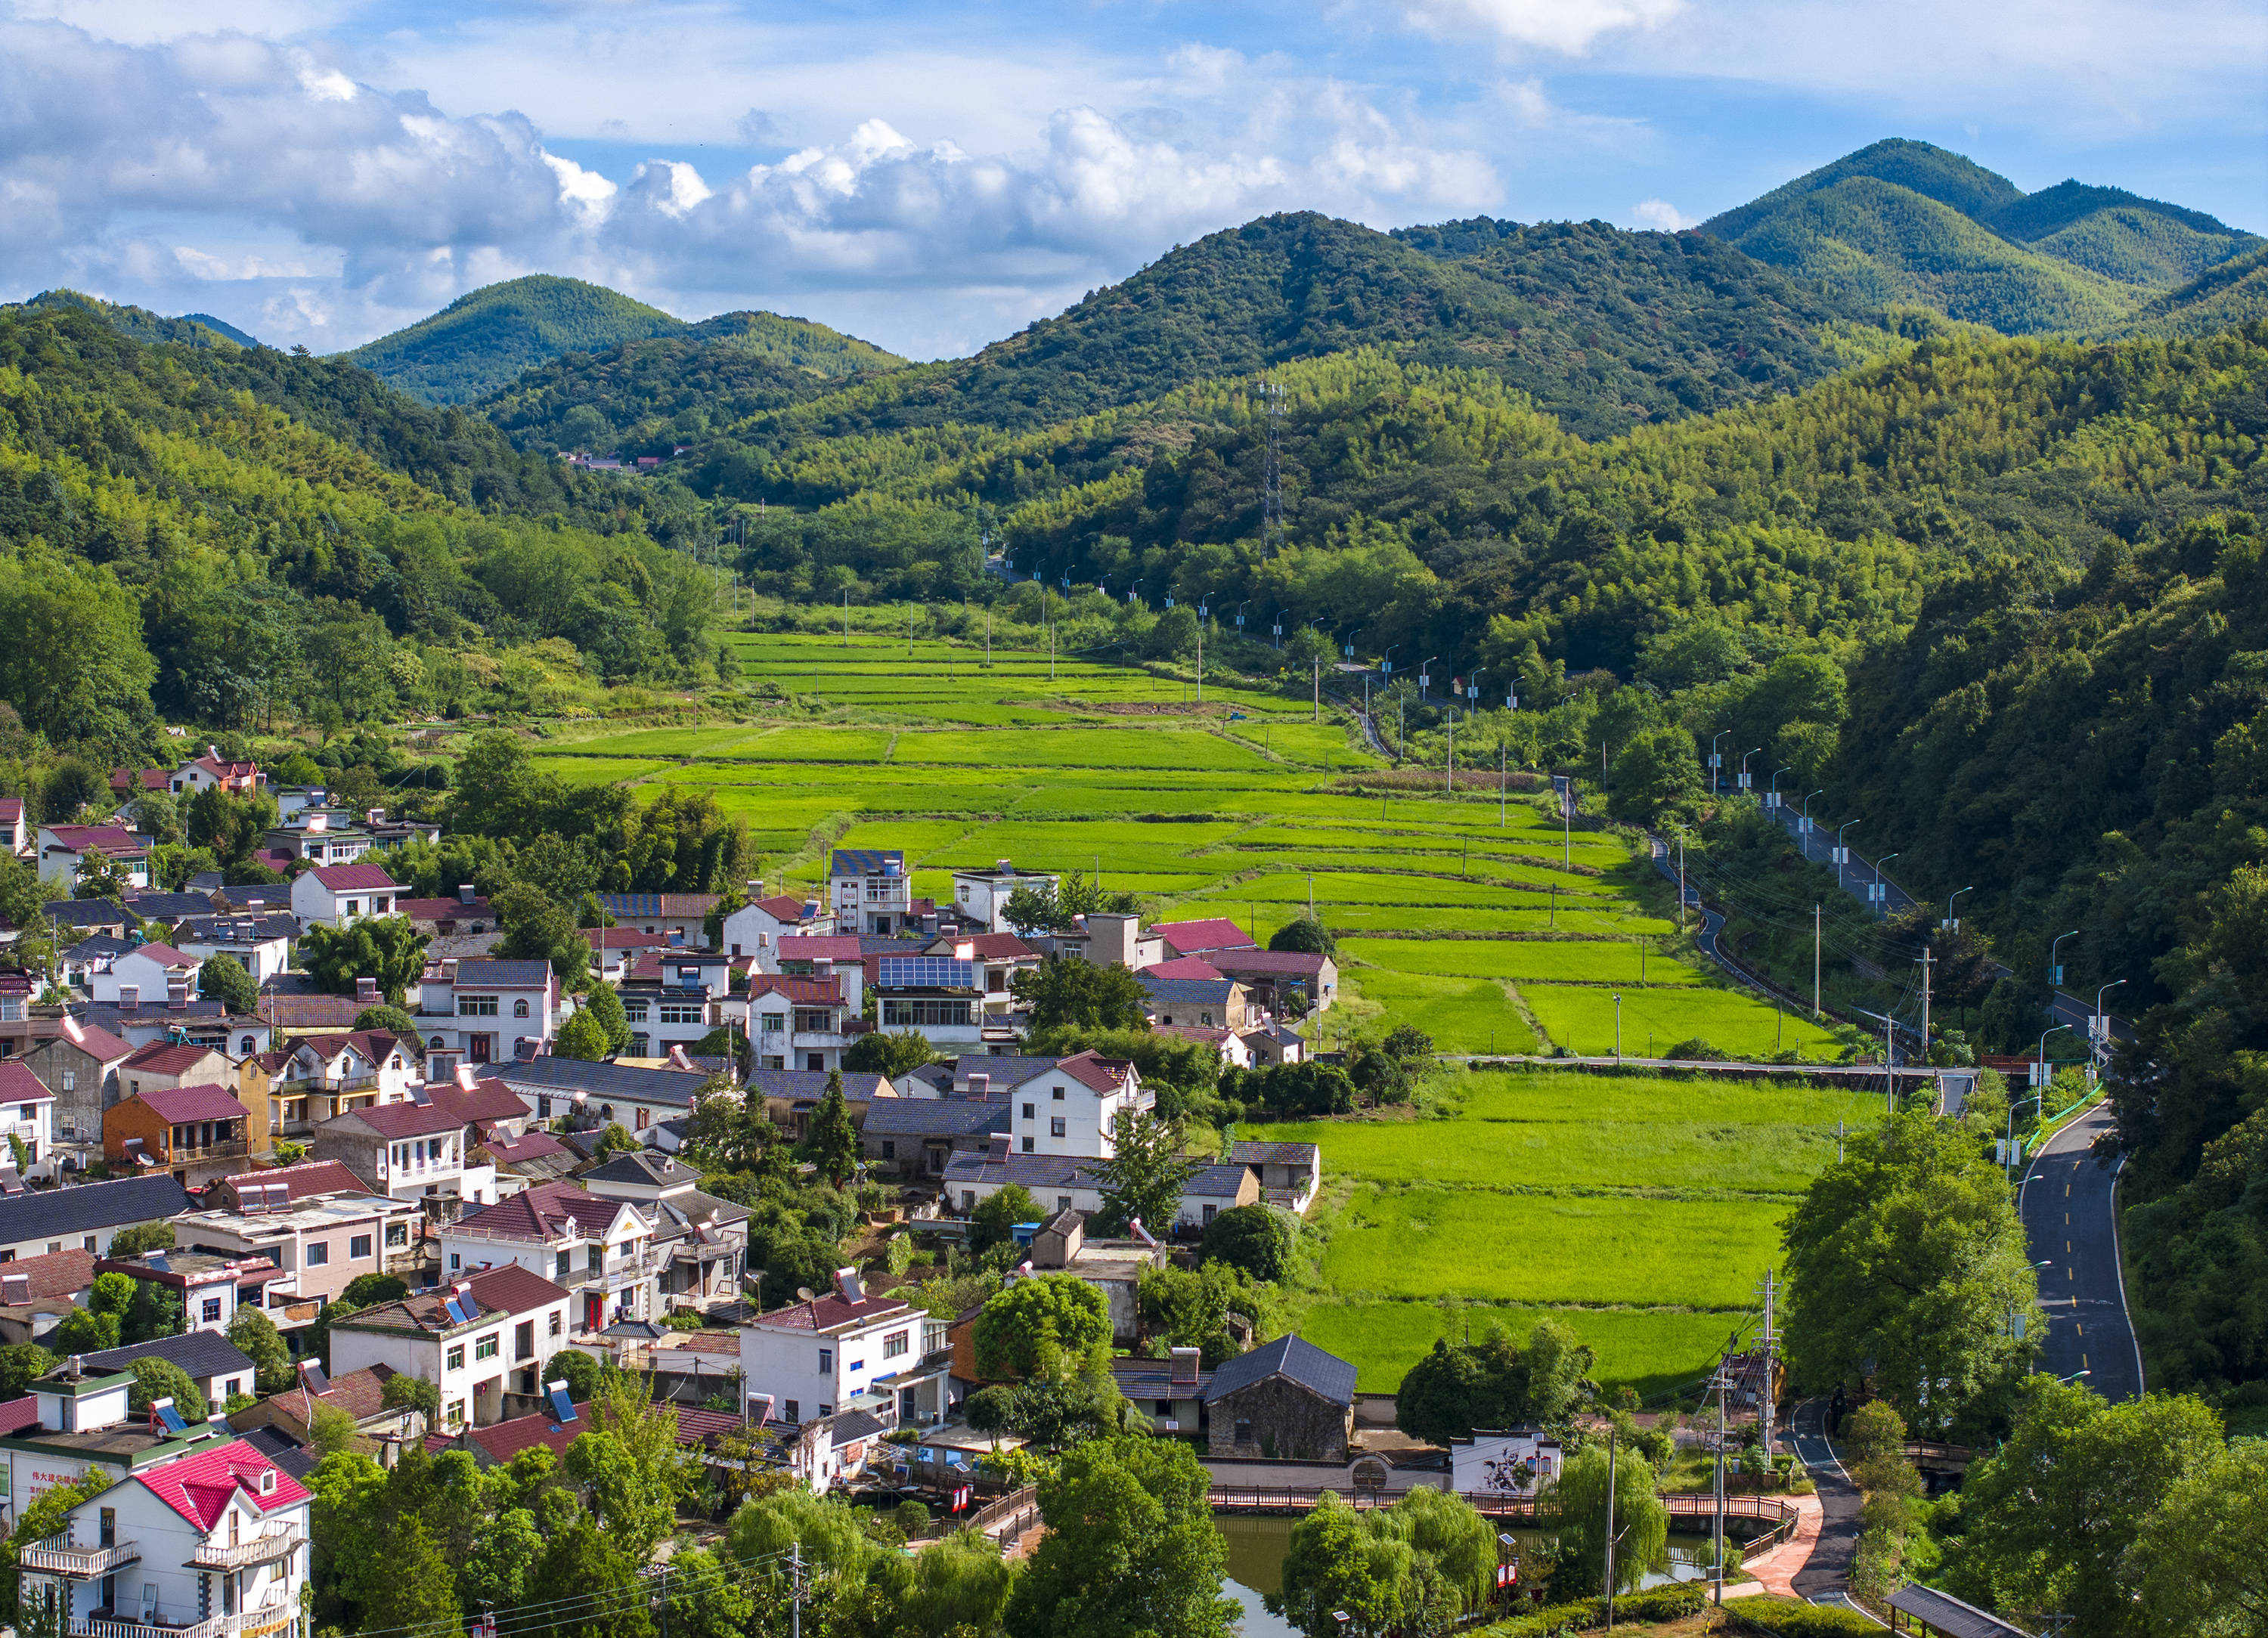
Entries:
{"x":1552,"y":1248}
{"x":1341,"y":887}
{"x":1655,"y":1350}
{"x":1582,"y":1020}
{"x":1599,"y":961}
{"x":1555,"y":1095}
{"x":1461,"y":1014}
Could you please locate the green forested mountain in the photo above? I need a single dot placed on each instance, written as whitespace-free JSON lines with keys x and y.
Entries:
{"x":2233,"y":293}
{"x":480,"y":342}
{"x":643,"y":398}
{"x":1903,"y":222}
{"x":223,"y":532}
{"x":194,"y":329}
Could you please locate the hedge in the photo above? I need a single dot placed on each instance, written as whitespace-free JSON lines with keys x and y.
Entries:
{"x":1792,"y":1618}
{"x":1655,"y":1604}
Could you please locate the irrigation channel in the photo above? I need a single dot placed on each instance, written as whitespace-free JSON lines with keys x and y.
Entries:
{"x":1257,"y":1523}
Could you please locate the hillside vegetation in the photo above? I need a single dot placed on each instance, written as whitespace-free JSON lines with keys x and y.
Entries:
{"x":1906,"y":223}
{"x":482,"y":342}
{"x":190,"y":330}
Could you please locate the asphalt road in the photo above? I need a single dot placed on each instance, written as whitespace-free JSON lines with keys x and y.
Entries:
{"x":1828,"y":1570}
{"x":2070,"y":1224}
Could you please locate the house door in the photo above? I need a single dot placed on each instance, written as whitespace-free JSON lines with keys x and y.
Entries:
{"x":816,"y":1062}
{"x":594,"y":1307}
{"x":481,"y":1046}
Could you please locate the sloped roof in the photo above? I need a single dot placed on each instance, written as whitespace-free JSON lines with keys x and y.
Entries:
{"x":502,"y":974}
{"x":1185,"y":990}
{"x":936,"y":1117}
{"x":816,"y":992}
{"x":1299,"y":963}
{"x":169,"y":1057}
{"x":200,"y":1486}
{"x":1092,"y":1070}
{"x":824,"y":1313}
{"x":113,"y":839}
{"x":84,"y":1207}
{"x":95,"y":1041}
{"x":864,"y":861}
{"x":1288,"y":1356}
{"x":1182,"y":966}
{"x":304,"y":1180}
{"x":785,"y":907}
{"x":1948,"y":1615}
{"x":346,"y":878}
{"x":799,"y":1085}
{"x":443,"y":909}
{"x":1253,"y":1153}
{"x":200,"y":1353}
{"x":487,"y":1098}
{"x":57,"y":1274}
{"x":517,"y":1151}
{"x":1217,"y":1181}
{"x":200,"y":1101}
{"x":19,"y":1085}
{"x":508,"y":1289}
{"x":545,"y":1213}
{"x":845,"y":949}
{"x":404,"y":1120}
{"x":1194,"y":937}
{"x":680,"y":904}
{"x":601,"y":1080}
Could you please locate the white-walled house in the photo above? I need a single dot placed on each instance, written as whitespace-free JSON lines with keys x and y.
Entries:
{"x":796,"y":1023}
{"x":477,"y":1337}
{"x":339,"y":895}
{"x":1071,"y":1106}
{"x":27,"y":1113}
{"x":65,"y":849}
{"x":410,"y":1151}
{"x":209,"y":1542}
{"x":482,"y":1011}
{"x":147,"y":973}
{"x":870,"y":889}
{"x":981,"y":897}
{"x":845,"y":1351}
{"x":756,"y":927}
{"x":260,"y":944}
{"x":599,"y":1251}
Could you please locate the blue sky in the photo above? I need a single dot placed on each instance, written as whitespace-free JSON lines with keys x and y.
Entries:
{"x":933,"y":177}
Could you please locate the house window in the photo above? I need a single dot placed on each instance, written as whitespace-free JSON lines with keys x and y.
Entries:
{"x":211,"y":1311}
{"x":456,"y":1360}
{"x":889,"y":1149}
{"x":319,"y":1253}
{"x":1056,"y":1127}
{"x":790,"y":1411}
{"x":70,"y":1080}
{"x":1059,"y":1094}
{"x":359,"y":1247}
{"x":894,"y":1345}
{"x":826,"y":1360}
{"x":775,"y":1021}
{"x":488,"y":1346}
{"x":681,"y":1012}
{"x":455,"y":1262}
{"x":1063,"y":1202}
{"x":87,"y":1243}
{"x":634,"y":1011}
{"x":523,"y":1339}
{"x":397,"y":1234}
{"x":476,"y":1006}
{"x":1243,"y":1431}
{"x":1029,"y":1141}
{"x":519,"y":1010}
{"x":1030,"y":1111}
{"x":555,"y":1322}
{"x":456,"y":1417}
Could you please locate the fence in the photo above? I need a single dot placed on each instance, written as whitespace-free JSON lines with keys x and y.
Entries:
{"x":1008,"y":1517}
{"x":1773,"y":1518}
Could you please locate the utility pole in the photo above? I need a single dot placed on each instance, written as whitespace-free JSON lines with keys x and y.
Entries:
{"x":1449,"y":770}
{"x":1815,"y":1013}
{"x":1764,"y":1398}
{"x":1319,"y":689}
{"x":1200,"y":662}
{"x":1611,"y":1431}
{"x":1502,"y":783}
{"x":795,"y":1590}
{"x":1926,"y":959}
{"x":846,"y":619}
{"x":1680,"y":881}
{"x":1723,"y":1378}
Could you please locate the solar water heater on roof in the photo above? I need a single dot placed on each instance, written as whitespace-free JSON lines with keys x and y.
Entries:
{"x":167,"y":1416}
{"x":312,"y":1374}
{"x":562,"y":1409}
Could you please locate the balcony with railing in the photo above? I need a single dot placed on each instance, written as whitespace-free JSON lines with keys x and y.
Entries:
{"x":264,"y":1548}
{"x":57,"y":1556}
{"x":112,"y":1624}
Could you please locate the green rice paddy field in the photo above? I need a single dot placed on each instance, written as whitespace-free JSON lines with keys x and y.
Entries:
{"x":1640,"y":1211}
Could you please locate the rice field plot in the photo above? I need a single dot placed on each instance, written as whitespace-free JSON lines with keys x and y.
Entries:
{"x":1306,"y":742}
{"x":813,"y":744}
{"x":1551,"y":1248}
{"x":920,"y":840}
{"x":1654,"y":1351}
{"x":660,"y":742}
{"x":1132,"y":844}
{"x":596,"y":770}
{"x":1443,"y":919}
{"x":1461,"y":1014}
{"x":1091,"y":747}
{"x":1442,"y":868}
{"x":1362,"y":888}
{"x":1656,"y":1019}
{"x":1600,"y":961}
{"x":1558,"y":1095}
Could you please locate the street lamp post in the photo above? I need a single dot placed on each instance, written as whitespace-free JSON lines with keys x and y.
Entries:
{"x":1879,"y":889}
{"x":1716,"y":761}
{"x":2055,"y":967}
{"x":2102,"y":1023}
{"x":1425,"y":678}
{"x":1774,"y":802}
{"x":1745,"y":755}
{"x":2011,"y":1140}
{"x":1803,"y":826}
{"x":2043,"y":1070}
{"x":1618,"y":1026}
{"x":1842,"y":853}
{"x":1951,"y":925}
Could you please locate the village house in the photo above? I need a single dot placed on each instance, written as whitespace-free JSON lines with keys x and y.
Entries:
{"x":1197,"y":938}
{"x":212,"y":771}
{"x":36,"y":1292}
{"x":667,"y":1002}
{"x":614,"y":950}
{"x":823,"y":956}
{"x":699,"y":1241}
{"x":158,"y":971}
{"x":15,"y":835}
{"x":1071,"y":1106}
{"x":1114,"y":1267}
{"x":685,"y":914}
{"x":86,"y":917}
{"x":790,"y":1096}
{"x":1170,"y":1391}
{"x":196,"y":1132}
{"x":317,"y":835}
{"x":260,"y":944}
{"x":600,"y":1094}
{"x":796,"y":1023}
{"x":388,"y":834}
{"x":312,"y":1079}
{"x":998,"y":958}
{"x":846,"y":1351}
{"x":1285,"y":1400}
{"x":477,"y":1337}
{"x":67,"y":850}
{"x":87,"y":1216}
{"x":27,"y":1134}
{"x":467,"y":912}
{"x":203,"y":1533}
{"x":979,"y":897}
{"x":208,"y":1024}
{"x":172,"y":1063}
{"x":755,"y":928}
{"x":525,"y":1161}
{"x":1289,"y":1173}
{"x":1069,"y":1183}
{"x":599,"y":1251}
{"x":210,"y":1288}
{"x":939,"y":997}
{"x":18,"y":1027}
{"x":359,"y":1395}
{"x":870,"y":891}
{"x":149,"y":905}
{"x":912,"y":1139}
{"x":1289,"y":983}
{"x":485,"y":1012}
{"x":321,"y":1243}
{"x":1271,"y":1044}
{"x":1234,"y":1051}
{"x":339,"y":895}
{"x":1180,"y":994}
{"x":411,"y":1151}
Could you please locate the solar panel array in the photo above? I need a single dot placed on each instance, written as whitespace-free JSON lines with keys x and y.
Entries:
{"x":925,"y":972}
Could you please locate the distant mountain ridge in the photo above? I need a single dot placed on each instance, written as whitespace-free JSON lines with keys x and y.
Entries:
{"x":486,"y":339}
{"x":1904,"y":222}
{"x":196,"y":329}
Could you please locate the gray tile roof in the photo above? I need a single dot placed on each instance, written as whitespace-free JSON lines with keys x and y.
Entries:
{"x":935,"y":1117}
{"x":88,"y":912}
{"x":1257,"y":1154}
{"x":86,"y":1208}
{"x":1222,"y":1181}
{"x":503,"y":974}
{"x":1005,"y":1071}
{"x":171,"y":906}
{"x":560,"y":1076}
{"x":1186,"y":990}
{"x":200,"y":1353}
{"x":1032,"y":1171}
{"x":1948,"y":1615}
{"x":810,"y":1085}
{"x":1301,"y":1362}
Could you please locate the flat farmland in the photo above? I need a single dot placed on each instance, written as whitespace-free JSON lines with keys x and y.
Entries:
{"x":1461,"y":1014}
{"x":1656,"y":1351}
{"x":1653,"y":1019}
{"x":1598,"y":961}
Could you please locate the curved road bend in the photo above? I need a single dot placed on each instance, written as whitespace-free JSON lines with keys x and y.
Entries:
{"x":2070,"y":1214}
{"x":1827,"y":1572}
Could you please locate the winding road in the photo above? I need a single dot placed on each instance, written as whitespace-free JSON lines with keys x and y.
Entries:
{"x":2069,"y":1207}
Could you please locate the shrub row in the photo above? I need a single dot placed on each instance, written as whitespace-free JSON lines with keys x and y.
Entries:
{"x":1792,"y":1618}
{"x":1656,"y":1603}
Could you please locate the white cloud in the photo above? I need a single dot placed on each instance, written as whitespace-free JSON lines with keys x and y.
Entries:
{"x":1662,"y":216}
{"x":1569,"y":26}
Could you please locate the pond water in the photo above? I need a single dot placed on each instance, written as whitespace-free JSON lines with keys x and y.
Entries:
{"x":1257,"y":1547}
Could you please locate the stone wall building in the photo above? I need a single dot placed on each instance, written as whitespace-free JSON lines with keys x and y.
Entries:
{"x":1285,"y":1400}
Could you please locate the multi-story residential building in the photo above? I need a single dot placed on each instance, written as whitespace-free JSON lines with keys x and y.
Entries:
{"x":15,"y":836}
{"x":870,"y":891}
{"x":260,"y":944}
{"x":202,"y":1537}
{"x":314,"y":1078}
{"x":339,"y":895}
{"x":319,"y":1244}
{"x":318,"y":835}
{"x":671,"y":998}
{"x":27,"y":1111}
{"x":1289,"y":983}
{"x":939,"y":997}
{"x":685,"y":914}
{"x":148,"y":972}
{"x":66,"y":850}
{"x":1071,"y":1106}
{"x":698,"y":1240}
{"x":796,"y":1023}
{"x":598,"y":1249}
{"x":195,"y":1132}
{"x":602,"y":1094}
{"x":981,"y":897}
{"x":824,"y":955}
{"x":86,"y":1215}
{"x":210,"y":770}
{"x":172,"y":1063}
{"x":483,"y":1012}
{"x":412,"y":1151}
{"x":996,"y":959}
{"x":846,"y":1351}
{"x":476,"y":1337}
{"x":206,"y":1023}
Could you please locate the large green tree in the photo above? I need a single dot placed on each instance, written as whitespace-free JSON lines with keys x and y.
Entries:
{"x":1908,"y":1253}
{"x":1065,"y":990}
{"x":834,"y":1137}
{"x":1143,"y":1178}
{"x":1050,"y":1326}
{"x":1640,"y":1520}
{"x":387,"y":947}
{"x":1130,"y":1548}
{"x":1496,"y":1383}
